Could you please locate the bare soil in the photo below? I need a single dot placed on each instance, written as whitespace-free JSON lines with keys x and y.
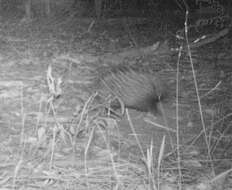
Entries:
{"x":50,"y":139}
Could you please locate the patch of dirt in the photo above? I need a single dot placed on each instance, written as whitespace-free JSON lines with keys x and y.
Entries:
{"x":53,"y":138}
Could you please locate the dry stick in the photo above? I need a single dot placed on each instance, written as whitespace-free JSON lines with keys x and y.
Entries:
{"x":22,"y":140}
{"x":134,"y":133}
{"x":114,"y":167}
{"x":150,"y":168}
{"x":213,"y":89}
{"x":196,"y":87}
{"x":86,"y":154}
{"x":139,"y":145}
{"x":167,"y":126}
{"x":209,"y":38}
{"x":198,"y":136}
{"x":54,"y":131}
{"x":177,"y":119}
{"x":161,"y":155}
{"x":38,"y":118}
{"x":56,"y":128}
{"x":91,"y":136}
{"x":84,"y":111}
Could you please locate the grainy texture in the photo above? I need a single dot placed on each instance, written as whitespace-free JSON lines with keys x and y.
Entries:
{"x":137,"y":89}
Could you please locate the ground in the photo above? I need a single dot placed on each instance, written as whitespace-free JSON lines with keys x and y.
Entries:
{"x":51,"y":139}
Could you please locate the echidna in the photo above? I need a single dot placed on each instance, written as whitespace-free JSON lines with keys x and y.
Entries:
{"x":139,"y":90}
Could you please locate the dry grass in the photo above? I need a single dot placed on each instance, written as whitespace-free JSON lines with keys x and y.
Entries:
{"x":52,"y":141}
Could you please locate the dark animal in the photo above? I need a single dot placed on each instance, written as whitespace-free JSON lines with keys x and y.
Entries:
{"x":139,"y":90}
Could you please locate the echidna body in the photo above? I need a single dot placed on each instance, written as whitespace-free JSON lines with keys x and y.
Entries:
{"x":138,"y":90}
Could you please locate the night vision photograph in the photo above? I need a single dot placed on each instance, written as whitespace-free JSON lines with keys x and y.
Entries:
{"x":116,"y":94}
